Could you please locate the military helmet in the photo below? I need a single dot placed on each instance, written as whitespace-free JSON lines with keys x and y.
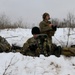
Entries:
{"x":35,"y":30}
{"x":44,"y":15}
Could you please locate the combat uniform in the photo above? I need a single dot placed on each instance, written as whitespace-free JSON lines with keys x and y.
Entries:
{"x":30,"y":46}
{"x":50,"y":31}
{"x":45,"y":29}
{"x":4,"y":45}
{"x":26,"y":47}
{"x":44,"y":26}
{"x":35,"y":47}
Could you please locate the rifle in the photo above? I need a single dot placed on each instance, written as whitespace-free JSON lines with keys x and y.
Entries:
{"x":11,"y":37}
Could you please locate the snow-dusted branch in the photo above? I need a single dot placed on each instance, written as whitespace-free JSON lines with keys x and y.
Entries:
{"x":9,"y":65}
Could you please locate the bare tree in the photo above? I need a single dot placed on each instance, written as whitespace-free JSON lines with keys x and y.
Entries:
{"x":70,"y":22}
{"x":4,"y":21}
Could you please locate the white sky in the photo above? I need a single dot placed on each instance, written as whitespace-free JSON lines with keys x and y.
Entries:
{"x":31,"y":10}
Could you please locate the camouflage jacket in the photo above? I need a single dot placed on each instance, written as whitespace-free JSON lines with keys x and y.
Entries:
{"x":45,"y":29}
{"x":38,"y":48}
{"x":4,"y":45}
{"x":44,"y":26}
{"x":26,"y":46}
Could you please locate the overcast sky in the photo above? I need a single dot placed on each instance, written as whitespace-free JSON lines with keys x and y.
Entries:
{"x":31,"y":10}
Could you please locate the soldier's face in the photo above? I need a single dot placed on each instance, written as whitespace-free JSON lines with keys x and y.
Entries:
{"x":48,"y":17}
{"x":35,"y":35}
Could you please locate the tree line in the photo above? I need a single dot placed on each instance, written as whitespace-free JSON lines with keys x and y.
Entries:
{"x":5,"y":22}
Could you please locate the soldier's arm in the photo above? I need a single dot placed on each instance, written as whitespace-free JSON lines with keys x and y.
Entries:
{"x":44,"y":27}
{"x":26,"y":45}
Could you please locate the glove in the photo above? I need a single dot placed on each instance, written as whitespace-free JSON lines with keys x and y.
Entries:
{"x":54,"y":27}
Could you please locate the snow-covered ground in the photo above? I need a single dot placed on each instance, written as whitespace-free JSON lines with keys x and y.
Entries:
{"x":61,"y":37}
{"x":16,"y":36}
{"x":19,"y":36}
{"x":17,"y":64}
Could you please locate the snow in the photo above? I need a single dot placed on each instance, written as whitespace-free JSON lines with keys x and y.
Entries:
{"x":25,"y":65}
{"x":18,"y":64}
{"x":61,"y":37}
{"x":16,"y":36}
{"x":19,"y":36}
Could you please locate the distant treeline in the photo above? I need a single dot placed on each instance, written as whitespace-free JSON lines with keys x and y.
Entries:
{"x":67,"y":22}
{"x":5,"y":23}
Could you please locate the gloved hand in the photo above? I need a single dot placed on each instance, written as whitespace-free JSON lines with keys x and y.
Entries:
{"x":54,"y":27}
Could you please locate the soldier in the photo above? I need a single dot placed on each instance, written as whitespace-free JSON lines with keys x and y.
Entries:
{"x":4,"y":45}
{"x":46,"y":27}
{"x":30,"y":46}
{"x":38,"y":44}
